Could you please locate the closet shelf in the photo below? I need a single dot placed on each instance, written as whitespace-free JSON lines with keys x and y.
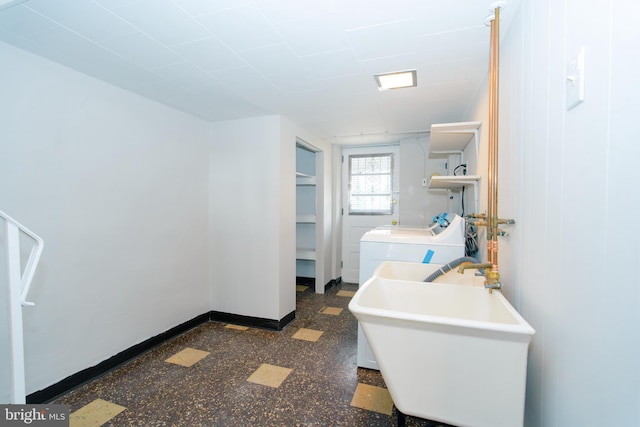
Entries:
{"x":451,"y":182}
{"x":306,"y":219}
{"x":304,"y":179}
{"x":305,"y":254}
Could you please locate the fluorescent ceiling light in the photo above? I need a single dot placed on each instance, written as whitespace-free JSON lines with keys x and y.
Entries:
{"x":5,"y":4}
{"x":397,"y":80}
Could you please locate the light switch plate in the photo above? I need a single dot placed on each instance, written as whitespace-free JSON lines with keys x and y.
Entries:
{"x":575,"y":80}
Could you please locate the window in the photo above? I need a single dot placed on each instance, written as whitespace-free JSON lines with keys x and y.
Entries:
{"x":370,"y":184}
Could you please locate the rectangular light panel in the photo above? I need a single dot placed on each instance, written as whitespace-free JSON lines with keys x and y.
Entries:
{"x":396,"y":80}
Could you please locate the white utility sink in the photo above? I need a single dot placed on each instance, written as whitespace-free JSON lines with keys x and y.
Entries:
{"x":447,"y":352}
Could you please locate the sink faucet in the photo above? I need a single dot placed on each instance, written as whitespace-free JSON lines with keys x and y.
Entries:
{"x":491,"y":273}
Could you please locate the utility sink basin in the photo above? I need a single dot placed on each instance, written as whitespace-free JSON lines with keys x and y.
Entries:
{"x":448,"y":352}
{"x":417,"y":272}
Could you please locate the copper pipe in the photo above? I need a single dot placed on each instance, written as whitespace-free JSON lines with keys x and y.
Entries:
{"x":492,"y":205}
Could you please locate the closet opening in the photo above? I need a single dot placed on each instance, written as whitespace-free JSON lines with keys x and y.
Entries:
{"x":309,"y":217}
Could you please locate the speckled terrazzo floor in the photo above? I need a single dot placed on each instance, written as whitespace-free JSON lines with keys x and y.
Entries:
{"x":202,"y":377}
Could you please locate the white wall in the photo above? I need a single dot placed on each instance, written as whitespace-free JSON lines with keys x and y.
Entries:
{"x":244,"y":217}
{"x":117,"y":187}
{"x":418,"y":204}
{"x":252,"y":216}
{"x":572,"y":263}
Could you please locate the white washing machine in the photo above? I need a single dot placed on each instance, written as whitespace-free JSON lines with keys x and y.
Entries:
{"x":433,"y":245}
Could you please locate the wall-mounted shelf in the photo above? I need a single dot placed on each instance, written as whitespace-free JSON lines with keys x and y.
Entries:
{"x":449,"y":182}
{"x":453,"y":138}
{"x":450,"y":141}
{"x":456,"y":183}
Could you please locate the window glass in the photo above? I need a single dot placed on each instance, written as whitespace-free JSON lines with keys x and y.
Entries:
{"x":370,"y":184}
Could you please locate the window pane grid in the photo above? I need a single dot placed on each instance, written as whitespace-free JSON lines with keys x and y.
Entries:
{"x":370,"y":184}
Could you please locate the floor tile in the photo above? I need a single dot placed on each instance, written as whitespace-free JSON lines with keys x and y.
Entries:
{"x":334,"y":311}
{"x":94,"y":414}
{"x":217,"y":393}
{"x":237,"y":327}
{"x":269,"y":375}
{"x":372,"y":398}
{"x":343,"y":293}
{"x":187,"y":357}
{"x":307,"y":334}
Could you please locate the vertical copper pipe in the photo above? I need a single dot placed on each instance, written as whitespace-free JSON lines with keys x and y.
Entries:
{"x":490,"y":153}
{"x":492,"y":209}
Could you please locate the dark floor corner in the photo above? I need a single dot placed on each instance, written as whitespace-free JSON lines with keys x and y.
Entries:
{"x":226,"y":375}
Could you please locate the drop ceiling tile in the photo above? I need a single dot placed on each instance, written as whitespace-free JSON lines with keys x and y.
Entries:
{"x":21,"y":42}
{"x":432,"y":18}
{"x":222,"y":94}
{"x":254,"y":57}
{"x":380,"y":41}
{"x":74,"y":51}
{"x":163,"y":20}
{"x":209,"y":54}
{"x":191,"y":103}
{"x":366,"y":13}
{"x":462,"y":90}
{"x":450,"y":71}
{"x":113,"y":4}
{"x":277,"y":11}
{"x":273,"y":59}
{"x":202,"y":7}
{"x":21,"y":21}
{"x":242,"y":27}
{"x":142,"y":50}
{"x":352,"y":122}
{"x":253,"y":86}
{"x":185,"y":74}
{"x":291,"y":82}
{"x":316,"y":34}
{"x":84,"y":17}
{"x":165,"y":92}
{"x":332,"y":64}
{"x":330,"y":98}
{"x":469,"y":42}
{"x":357,"y":85}
{"x":407,"y":61}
